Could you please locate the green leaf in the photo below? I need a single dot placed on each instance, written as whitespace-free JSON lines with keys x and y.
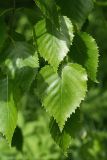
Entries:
{"x":62,"y":95}
{"x":53,"y":44}
{"x":21,"y":64}
{"x":71,"y":129}
{"x":8,"y":111}
{"x":62,"y":139}
{"x":20,"y":55}
{"x":23,"y":81}
{"x":73,"y":124}
{"x":49,"y":9}
{"x":85,"y":51}
{"x":76,"y":10}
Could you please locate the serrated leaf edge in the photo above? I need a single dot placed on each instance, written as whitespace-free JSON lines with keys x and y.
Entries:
{"x":97,"y":48}
{"x":68,"y":115}
{"x":68,"y":48}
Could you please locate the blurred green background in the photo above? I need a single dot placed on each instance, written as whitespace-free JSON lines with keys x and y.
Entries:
{"x":32,"y":140}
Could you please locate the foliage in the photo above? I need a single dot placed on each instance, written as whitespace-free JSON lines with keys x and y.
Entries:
{"x":48,"y":57}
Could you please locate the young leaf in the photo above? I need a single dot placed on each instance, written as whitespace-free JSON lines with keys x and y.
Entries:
{"x":76,"y":10}
{"x":62,"y":95}
{"x":85,"y":51}
{"x":8,"y":111}
{"x":53,"y":44}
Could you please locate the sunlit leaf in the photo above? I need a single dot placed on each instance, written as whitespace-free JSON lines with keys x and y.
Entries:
{"x":53,"y":44}
{"x":8,"y":111}
{"x":62,"y":95}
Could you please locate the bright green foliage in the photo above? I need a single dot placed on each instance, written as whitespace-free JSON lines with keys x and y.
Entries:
{"x":54,"y":44}
{"x":8,"y":111}
{"x":20,"y":64}
{"x":62,"y":95}
{"x":47,"y":59}
{"x":76,"y":10}
{"x":36,"y":136}
{"x":85,"y":51}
